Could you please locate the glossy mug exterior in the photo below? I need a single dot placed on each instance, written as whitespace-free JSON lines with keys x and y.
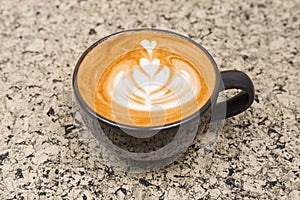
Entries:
{"x":150,"y":148}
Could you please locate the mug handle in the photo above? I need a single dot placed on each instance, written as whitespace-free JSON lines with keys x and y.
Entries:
{"x":234,"y":79}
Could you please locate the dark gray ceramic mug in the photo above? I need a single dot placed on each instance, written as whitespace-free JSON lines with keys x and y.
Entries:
{"x":156,"y":146}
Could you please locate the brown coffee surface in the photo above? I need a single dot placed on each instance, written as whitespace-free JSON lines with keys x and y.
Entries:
{"x":150,"y":86}
{"x":145,"y":78}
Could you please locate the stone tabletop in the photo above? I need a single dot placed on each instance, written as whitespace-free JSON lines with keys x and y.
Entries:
{"x":257,"y":155}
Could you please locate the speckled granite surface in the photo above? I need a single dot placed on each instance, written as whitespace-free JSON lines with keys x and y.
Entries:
{"x":257,"y":154}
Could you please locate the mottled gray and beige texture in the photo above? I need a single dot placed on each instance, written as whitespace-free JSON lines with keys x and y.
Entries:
{"x":41,"y":156}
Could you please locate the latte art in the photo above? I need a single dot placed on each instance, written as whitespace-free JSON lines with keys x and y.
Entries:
{"x":149,"y":86}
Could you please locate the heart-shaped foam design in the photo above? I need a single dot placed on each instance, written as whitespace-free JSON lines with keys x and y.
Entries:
{"x":150,"y":68}
{"x":150,"y":74}
{"x":149,"y":46}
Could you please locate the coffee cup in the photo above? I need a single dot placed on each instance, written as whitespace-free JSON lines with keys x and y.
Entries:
{"x":145,"y":94}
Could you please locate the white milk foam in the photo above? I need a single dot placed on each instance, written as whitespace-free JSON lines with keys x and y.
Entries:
{"x":151,"y":86}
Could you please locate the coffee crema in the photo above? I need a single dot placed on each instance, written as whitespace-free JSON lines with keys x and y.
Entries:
{"x":149,"y":86}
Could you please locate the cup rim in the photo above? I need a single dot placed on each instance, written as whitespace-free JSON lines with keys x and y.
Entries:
{"x":93,"y":113}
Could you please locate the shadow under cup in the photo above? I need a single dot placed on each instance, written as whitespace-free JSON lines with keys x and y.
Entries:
{"x":157,"y":145}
